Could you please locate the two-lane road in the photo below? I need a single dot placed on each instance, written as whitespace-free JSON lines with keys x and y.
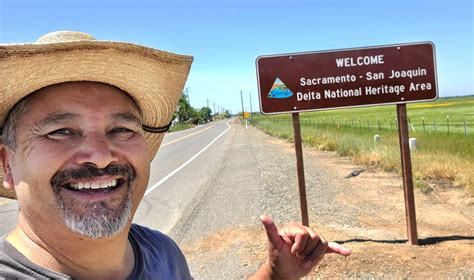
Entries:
{"x":180,"y":148}
{"x":186,"y":162}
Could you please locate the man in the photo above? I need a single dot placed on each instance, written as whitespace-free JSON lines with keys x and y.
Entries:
{"x":81,"y":121}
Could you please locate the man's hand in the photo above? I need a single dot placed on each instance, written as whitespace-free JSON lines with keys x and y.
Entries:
{"x":293,"y":251}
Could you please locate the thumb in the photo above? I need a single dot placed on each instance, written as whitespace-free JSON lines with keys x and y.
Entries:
{"x":272,"y":231}
{"x":334,"y":247}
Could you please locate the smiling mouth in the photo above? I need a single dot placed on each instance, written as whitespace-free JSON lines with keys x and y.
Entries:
{"x":95,"y":186}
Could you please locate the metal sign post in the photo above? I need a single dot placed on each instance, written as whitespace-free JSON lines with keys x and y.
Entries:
{"x":300,"y":169}
{"x":407,"y":174}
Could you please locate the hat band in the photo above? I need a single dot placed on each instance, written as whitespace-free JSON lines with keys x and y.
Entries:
{"x":157,"y":129}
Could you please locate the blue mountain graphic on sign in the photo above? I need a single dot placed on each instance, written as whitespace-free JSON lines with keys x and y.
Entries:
{"x":279,"y":90}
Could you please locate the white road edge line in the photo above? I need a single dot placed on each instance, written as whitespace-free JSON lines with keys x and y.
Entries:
{"x":149,"y":190}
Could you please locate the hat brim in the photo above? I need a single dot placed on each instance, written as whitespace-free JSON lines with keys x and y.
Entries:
{"x":153,"y":78}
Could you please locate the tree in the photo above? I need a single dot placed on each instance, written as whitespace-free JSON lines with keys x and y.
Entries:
{"x":187,"y":114}
{"x":206,"y":114}
{"x":185,"y":111}
{"x":226,"y":114}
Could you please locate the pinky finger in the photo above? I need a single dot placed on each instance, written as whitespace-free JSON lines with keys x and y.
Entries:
{"x":334,"y":247}
{"x":317,"y":254}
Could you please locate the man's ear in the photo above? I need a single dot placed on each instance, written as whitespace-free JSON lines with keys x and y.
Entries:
{"x":7,"y":171}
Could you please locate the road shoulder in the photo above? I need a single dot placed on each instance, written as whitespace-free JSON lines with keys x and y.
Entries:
{"x":365,"y":212}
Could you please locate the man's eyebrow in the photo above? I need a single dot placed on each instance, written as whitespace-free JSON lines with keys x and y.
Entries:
{"x":56,"y":118}
{"x":128,"y":117}
{"x":62,"y":117}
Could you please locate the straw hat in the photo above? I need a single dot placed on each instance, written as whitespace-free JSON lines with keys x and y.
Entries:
{"x":153,"y":78}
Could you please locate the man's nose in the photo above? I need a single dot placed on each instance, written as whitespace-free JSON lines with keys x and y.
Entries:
{"x":97,"y":150}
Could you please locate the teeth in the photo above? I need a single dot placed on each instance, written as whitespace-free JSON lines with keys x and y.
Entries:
{"x":94,"y":186}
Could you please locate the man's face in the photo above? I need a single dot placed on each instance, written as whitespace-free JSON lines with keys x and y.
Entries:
{"x":81,"y":159}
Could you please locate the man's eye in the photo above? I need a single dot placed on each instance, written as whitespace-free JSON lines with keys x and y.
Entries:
{"x":121,"y":130}
{"x":122,"y":133}
{"x":62,"y":132}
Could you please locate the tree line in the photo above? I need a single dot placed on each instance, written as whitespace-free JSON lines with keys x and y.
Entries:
{"x":186,"y":114}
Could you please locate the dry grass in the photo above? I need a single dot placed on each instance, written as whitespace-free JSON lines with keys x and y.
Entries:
{"x":445,"y":167}
{"x":435,"y":163}
{"x":434,"y":169}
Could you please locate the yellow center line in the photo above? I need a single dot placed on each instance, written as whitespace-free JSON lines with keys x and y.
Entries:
{"x":179,"y":139}
{"x":4,"y":202}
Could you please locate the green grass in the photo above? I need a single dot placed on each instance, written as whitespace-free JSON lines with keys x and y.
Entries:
{"x":180,"y":126}
{"x":350,"y":132}
{"x":436,"y":116}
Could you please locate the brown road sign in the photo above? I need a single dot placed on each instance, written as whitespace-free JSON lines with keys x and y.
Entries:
{"x":392,"y":74}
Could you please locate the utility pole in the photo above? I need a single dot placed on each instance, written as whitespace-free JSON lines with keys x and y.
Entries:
{"x":242,"y":101}
{"x":250,"y":105}
{"x":187,"y":95}
{"x":214,"y":103}
{"x":207,"y":102}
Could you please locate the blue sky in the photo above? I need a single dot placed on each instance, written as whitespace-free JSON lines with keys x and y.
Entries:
{"x":225,"y":37}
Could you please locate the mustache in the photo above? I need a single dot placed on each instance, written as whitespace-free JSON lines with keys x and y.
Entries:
{"x":89,"y":172}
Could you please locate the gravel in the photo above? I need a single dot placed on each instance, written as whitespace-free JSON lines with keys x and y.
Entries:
{"x":257,"y":176}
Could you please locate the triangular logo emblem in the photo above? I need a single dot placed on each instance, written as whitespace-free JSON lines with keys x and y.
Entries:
{"x":279,"y":90}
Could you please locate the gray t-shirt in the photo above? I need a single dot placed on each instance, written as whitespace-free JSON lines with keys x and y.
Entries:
{"x":156,"y":257}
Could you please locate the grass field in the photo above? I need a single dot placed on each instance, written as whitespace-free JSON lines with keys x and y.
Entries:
{"x":444,"y":130}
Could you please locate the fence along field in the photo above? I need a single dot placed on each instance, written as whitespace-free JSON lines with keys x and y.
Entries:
{"x":444,"y":130}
